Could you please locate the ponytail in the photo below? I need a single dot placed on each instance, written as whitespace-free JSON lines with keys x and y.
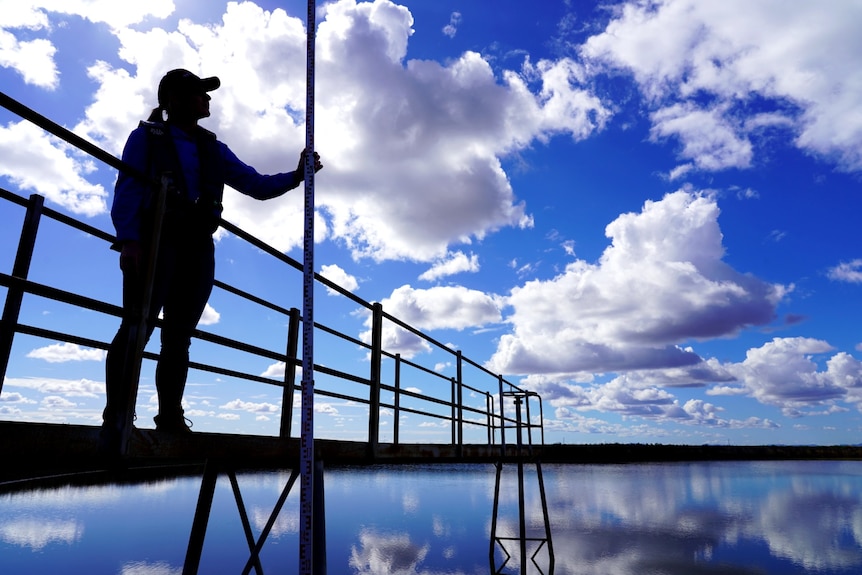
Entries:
{"x":157,"y":115}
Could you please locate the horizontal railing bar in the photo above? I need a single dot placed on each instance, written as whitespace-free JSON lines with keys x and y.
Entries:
{"x":422,"y":368}
{"x":252,"y":298}
{"x":238,"y":345}
{"x":233,"y":373}
{"x":60,"y":295}
{"x":60,"y":217}
{"x":340,"y":374}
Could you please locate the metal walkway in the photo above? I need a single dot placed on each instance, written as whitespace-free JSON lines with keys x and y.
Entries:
{"x":472,"y":404}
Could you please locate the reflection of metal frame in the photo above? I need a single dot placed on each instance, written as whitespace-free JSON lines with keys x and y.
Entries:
{"x":522,"y":539}
{"x":204,"y":506}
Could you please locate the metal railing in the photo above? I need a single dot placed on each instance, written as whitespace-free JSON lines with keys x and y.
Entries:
{"x":381,"y":391}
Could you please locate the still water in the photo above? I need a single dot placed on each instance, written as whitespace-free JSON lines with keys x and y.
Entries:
{"x":676,"y":519}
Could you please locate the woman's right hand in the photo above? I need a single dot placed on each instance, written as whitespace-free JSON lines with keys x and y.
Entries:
{"x":130,"y":257}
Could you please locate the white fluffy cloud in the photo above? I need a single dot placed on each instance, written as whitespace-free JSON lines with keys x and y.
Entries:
{"x":699,"y":63}
{"x":63,"y":352}
{"x":453,"y":263}
{"x":442,"y":307}
{"x":64,"y":387}
{"x":783,"y":373}
{"x":661,"y":282}
{"x":335,"y":274}
{"x":850,"y":272}
{"x":39,"y":163}
{"x":412,"y":148}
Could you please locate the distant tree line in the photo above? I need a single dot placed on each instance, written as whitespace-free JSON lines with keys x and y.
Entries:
{"x":652,"y":452}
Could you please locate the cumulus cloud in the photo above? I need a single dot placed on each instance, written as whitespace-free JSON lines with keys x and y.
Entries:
{"x":661,"y":282}
{"x":454,"y":263}
{"x":210,"y":316}
{"x":850,"y":272}
{"x":632,"y":396}
{"x":699,"y":64}
{"x":442,"y":307}
{"x":14,"y":397}
{"x":784,"y":373}
{"x":251,"y":407}
{"x":63,"y":387}
{"x":335,"y":274}
{"x":32,"y":59}
{"x":55,"y":402}
{"x":436,"y":132}
{"x":37,"y":162}
{"x":63,"y":352}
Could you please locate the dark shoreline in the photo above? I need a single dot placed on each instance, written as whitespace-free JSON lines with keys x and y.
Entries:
{"x":31,"y":450}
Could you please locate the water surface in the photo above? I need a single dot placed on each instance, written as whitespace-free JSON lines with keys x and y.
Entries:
{"x":677,"y":519}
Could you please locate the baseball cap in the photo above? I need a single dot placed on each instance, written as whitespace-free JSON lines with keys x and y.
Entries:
{"x":180,"y":80}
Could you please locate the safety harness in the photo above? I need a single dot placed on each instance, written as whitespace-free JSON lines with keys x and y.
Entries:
{"x":203,"y":213}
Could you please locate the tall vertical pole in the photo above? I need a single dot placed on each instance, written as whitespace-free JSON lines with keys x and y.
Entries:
{"x":306,"y":539}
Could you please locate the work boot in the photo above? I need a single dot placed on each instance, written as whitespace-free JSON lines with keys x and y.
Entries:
{"x":172,"y":423}
{"x":111,"y":433}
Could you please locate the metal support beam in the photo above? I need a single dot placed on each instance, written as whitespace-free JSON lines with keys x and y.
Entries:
{"x":289,"y":374}
{"x":374,"y":393}
{"x":202,"y":516}
{"x":20,"y":269}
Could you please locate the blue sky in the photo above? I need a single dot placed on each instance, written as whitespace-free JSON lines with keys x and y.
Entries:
{"x":644,"y":211}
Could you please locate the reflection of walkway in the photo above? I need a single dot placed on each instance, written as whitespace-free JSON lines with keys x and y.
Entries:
{"x":519,"y":544}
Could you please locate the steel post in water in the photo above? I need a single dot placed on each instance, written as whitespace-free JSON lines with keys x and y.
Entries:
{"x":271,"y":521}
{"x":522,"y":521}
{"x":548,"y":539}
{"x":246,"y":524}
{"x":522,"y":538}
{"x":499,"y":467}
{"x":202,"y":516}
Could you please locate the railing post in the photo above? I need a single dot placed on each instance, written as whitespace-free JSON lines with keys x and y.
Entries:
{"x":20,"y":269}
{"x":453,"y":416}
{"x":289,"y":374}
{"x":460,"y":405}
{"x":489,"y":419}
{"x":397,"y":397}
{"x":502,"y":419}
{"x":376,"y":359}
{"x":541,"y":419}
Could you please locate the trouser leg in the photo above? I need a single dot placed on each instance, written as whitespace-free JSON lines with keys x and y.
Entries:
{"x":185,"y":301}
{"x":119,"y":363}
